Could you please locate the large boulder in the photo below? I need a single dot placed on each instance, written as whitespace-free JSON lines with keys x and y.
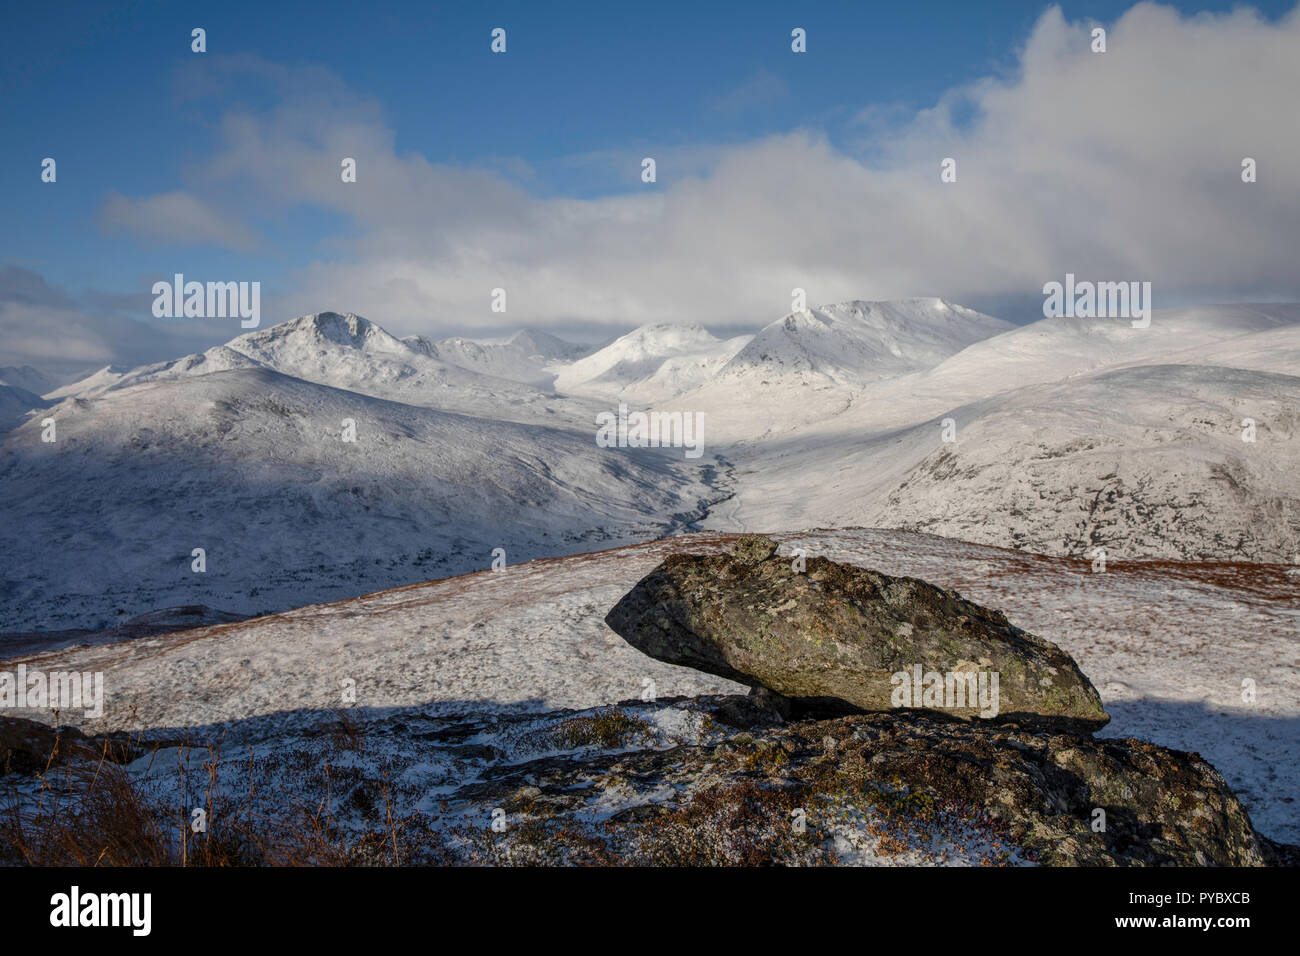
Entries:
{"x":839,"y":638}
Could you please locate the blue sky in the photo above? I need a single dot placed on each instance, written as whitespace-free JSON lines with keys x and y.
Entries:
{"x":556,"y":127}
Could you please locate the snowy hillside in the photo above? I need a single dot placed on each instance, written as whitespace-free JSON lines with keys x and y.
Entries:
{"x":529,"y":356}
{"x":853,"y":343}
{"x":219,"y":358}
{"x":1145,"y":462}
{"x":1165,"y":643}
{"x":810,"y":365}
{"x":1053,"y":349}
{"x":348,"y":352}
{"x":92,"y":384}
{"x":650,"y":364}
{"x":1069,"y":434}
{"x":27,"y":378}
{"x":1268,"y":350}
{"x":251,"y":465}
{"x":15,"y":404}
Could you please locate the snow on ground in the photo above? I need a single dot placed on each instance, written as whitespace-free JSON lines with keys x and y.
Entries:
{"x":1144,"y":461}
{"x":528,"y":356}
{"x":16,"y":404}
{"x":1070,"y":433}
{"x":649,"y":364}
{"x":1168,"y":645}
{"x":252,"y":466}
{"x":853,"y":343}
{"x":1049,"y":350}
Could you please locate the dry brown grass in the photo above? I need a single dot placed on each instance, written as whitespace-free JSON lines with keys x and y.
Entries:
{"x":608,"y":729}
{"x":90,"y":812}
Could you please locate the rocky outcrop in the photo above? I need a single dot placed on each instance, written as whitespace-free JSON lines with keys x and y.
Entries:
{"x":836,"y":638}
{"x":691,"y":781}
{"x":906,"y":787}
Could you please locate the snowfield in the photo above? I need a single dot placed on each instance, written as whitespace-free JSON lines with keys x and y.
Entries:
{"x":251,"y":466}
{"x":1061,"y":437}
{"x":1143,"y":461}
{"x":650,"y":364}
{"x":1167,"y":644}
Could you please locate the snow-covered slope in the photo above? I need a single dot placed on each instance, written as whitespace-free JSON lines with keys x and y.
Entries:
{"x":1167,"y":645}
{"x":810,"y":365}
{"x":27,"y":378}
{"x":219,"y":358}
{"x":853,"y":343}
{"x":1147,"y":461}
{"x":15,"y":403}
{"x":528,"y":356}
{"x":93,"y":384}
{"x":650,"y":364}
{"x":1070,"y":434}
{"x":250,"y":465}
{"x":1268,"y":350}
{"x":1050,"y":350}
{"x":348,"y":352}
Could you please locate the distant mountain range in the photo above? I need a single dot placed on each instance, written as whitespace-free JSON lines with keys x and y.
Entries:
{"x":1067,"y":435}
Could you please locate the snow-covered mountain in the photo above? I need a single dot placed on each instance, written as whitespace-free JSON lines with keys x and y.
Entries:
{"x":15,"y":404}
{"x":650,"y":364}
{"x":98,"y":381}
{"x":1053,"y":349}
{"x":1069,"y":434}
{"x":349,"y":352}
{"x":352,"y":353}
{"x":27,"y":378}
{"x":1268,"y":350}
{"x":854,"y":343}
{"x":808,"y":366}
{"x":528,"y":356}
{"x":1144,"y":461}
{"x":251,"y":465}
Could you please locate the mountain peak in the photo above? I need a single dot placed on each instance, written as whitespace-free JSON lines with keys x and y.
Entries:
{"x":318,"y":329}
{"x":856,"y":342}
{"x":342,"y":328}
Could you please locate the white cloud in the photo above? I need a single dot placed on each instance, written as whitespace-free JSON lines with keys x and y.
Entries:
{"x":42,"y":325}
{"x":1123,"y":165}
{"x":175,"y":217}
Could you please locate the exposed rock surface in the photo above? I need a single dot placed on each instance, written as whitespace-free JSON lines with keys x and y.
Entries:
{"x":682,"y":781}
{"x":905,"y":782}
{"x":833,"y":636}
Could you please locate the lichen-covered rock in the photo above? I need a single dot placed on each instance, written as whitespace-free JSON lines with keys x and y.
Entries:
{"x":906,"y":783}
{"x":753,"y":548}
{"x":839,"y":638}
